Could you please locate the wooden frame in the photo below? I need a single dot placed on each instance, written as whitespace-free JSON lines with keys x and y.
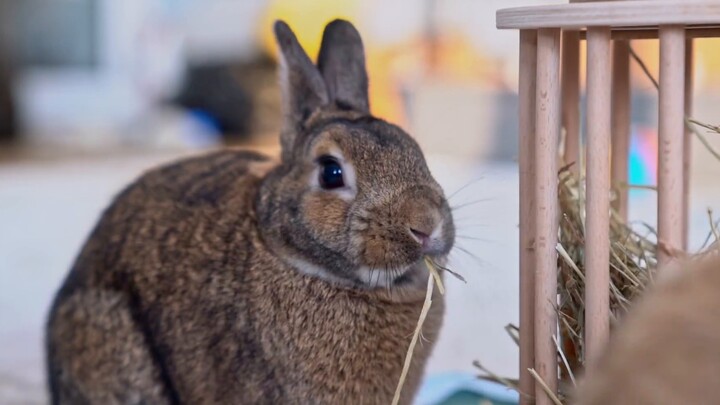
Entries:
{"x":618,"y":14}
{"x":549,"y":93}
{"x":547,"y":137}
{"x":528,"y":63}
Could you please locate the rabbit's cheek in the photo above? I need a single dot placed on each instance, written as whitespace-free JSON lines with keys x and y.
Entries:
{"x":326,"y":215}
{"x":375,"y":251}
{"x":388,"y":251}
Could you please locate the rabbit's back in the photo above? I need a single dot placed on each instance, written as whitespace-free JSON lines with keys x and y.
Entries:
{"x":176,"y":213}
{"x":153,"y":284}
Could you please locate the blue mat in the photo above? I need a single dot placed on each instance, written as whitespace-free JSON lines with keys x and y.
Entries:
{"x":456,"y":388}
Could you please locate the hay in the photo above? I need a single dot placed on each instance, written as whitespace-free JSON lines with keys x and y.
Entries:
{"x":433,"y":278}
{"x":633,"y":259}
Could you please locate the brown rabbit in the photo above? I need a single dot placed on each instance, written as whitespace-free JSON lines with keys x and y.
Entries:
{"x":227,"y":279}
{"x":667,"y":350}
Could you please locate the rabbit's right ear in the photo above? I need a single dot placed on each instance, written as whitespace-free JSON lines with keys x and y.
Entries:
{"x":342,"y":64}
{"x":303,"y":88}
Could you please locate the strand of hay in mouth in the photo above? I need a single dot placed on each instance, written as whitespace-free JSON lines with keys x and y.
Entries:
{"x":433,"y":278}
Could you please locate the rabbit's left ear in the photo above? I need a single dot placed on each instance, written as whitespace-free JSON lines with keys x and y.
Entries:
{"x":342,"y":64}
{"x":303,"y":88}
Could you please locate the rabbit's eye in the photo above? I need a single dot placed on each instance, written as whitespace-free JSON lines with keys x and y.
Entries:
{"x":331,"y":173}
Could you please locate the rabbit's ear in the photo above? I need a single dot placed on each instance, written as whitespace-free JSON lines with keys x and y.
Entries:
{"x":342,"y":64}
{"x":303,"y":88}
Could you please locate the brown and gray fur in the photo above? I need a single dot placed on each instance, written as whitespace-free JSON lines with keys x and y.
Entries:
{"x":667,"y":349}
{"x":229,"y":279}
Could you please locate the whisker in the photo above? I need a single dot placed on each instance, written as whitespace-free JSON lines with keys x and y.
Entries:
{"x":476,"y":238}
{"x":469,"y":253}
{"x":399,"y":270}
{"x":463,"y":205}
{"x":463,"y":219}
{"x":464,"y":187}
{"x":443,"y":268}
{"x":463,"y":226}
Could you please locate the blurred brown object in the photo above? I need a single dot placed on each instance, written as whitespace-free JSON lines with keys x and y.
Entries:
{"x":259,"y":78}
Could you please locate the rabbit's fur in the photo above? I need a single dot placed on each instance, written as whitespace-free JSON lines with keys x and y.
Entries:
{"x":228,"y":278}
{"x":667,"y":349}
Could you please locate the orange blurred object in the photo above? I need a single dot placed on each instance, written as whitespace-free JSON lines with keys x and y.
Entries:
{"x":400,"y":66}
{"x":307,"y":19}
{"x":392,"y":67}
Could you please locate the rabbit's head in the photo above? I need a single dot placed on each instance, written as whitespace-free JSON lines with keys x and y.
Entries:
{"x":352,"y":201}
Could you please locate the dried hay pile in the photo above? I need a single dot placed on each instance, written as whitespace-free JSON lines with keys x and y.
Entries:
{"x":633,"y":258}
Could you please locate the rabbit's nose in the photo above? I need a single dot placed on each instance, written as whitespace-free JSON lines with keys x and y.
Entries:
{"x":420,"y":236}
{"x":427,"y":233}
{"x":422,"y":220}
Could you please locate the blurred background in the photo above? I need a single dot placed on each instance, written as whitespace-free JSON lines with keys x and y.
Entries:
{"x":93,"y":92}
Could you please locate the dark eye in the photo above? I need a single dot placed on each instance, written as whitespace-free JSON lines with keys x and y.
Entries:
{"x":331,"y":173}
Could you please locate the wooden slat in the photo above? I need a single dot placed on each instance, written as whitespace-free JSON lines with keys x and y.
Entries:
{"x":547,"y":125}
{"x":637,"y":13}
{"x":687,"y":143}
{"x":597,"y":209}
{"x":621,"y":123}
{"x":571,"y":97}
{"x":528,"y":59}
{"x":670,"y":146}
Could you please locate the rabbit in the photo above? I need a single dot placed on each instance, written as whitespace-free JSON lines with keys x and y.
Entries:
{"x":235,"y":278}
{"x":667,"y":348}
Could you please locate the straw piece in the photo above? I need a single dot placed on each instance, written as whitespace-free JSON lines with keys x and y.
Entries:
{"x":445,"y":269}
{"x":433,"y":277}
{"x":413,"y":342}
{"x":490,"y":376}
{"x":545,"y":388}
{"x":433,"y":271}
{"x":713,"y":227}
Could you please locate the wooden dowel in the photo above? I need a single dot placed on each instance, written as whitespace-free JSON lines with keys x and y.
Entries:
{"x":687,"y":144}
{"x":670,"y":148}
{"x":597,"y":222}
{"x":547,"y":124}
{"x":526,"y":93}
{"x":571,"y":97}
{"x":621,"y":113}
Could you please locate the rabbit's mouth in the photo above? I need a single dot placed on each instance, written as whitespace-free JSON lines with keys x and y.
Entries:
{"x":410,"y":276}
{"x":406,"y":278}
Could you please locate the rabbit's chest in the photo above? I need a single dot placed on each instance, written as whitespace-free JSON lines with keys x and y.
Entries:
{"x":340,"y":345}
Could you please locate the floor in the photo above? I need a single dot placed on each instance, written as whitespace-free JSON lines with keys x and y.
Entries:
{"x":47,"y":209}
